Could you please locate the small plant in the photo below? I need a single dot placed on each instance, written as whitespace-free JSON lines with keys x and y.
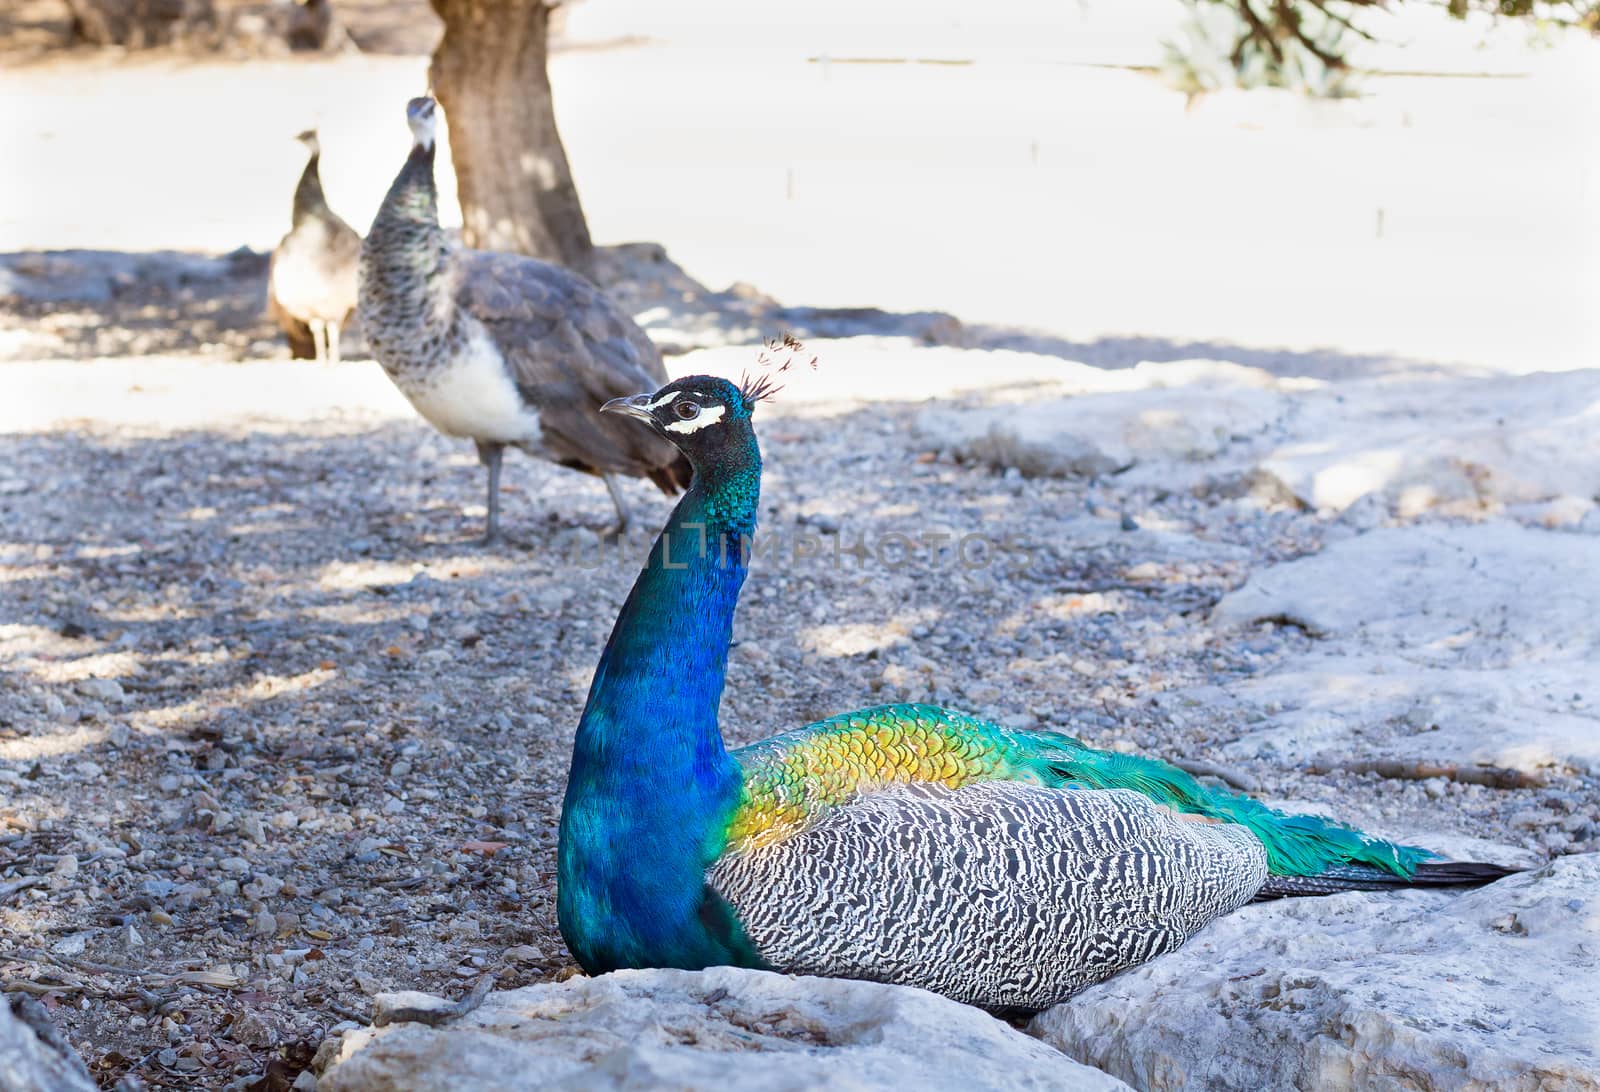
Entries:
{"x":1301,"y":44}
{"x":1228,"y":43}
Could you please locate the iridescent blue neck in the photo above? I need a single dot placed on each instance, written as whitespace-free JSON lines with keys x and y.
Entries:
{"x":652,"y":787}
{"x":660,"y":678}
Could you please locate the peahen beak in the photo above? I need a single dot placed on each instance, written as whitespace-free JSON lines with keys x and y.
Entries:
{"x":635,"y":405}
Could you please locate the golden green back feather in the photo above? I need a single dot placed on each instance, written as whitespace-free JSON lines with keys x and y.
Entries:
{"x":791,"y":780}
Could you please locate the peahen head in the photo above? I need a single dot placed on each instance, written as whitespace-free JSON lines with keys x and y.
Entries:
{"x":422,"y":116}
{"x":706,"y":417}
{"x":309,"y":139}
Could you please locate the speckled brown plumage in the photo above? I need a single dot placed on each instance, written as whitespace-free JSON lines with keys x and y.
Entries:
{"x":311,"y":280}
{"x":503,"y":349}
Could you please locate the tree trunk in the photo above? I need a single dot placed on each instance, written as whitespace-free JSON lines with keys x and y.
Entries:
{"x":512,"y":175}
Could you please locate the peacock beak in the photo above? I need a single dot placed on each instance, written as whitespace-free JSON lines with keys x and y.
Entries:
{"x":635,"y":405}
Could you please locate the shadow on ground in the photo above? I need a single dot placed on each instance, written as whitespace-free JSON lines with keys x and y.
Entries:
{"x":85,"y":304}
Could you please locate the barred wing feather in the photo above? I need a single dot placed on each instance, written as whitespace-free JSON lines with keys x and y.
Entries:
{"x":1002,"y":894}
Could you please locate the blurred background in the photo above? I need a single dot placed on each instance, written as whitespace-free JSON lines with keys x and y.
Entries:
{"x":1418,"y":184}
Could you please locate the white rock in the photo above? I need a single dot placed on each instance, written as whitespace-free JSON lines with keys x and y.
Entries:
{"x":1467,"y":644}
{"x":1465,"y":444}
{"x":1564,"y":511}
{"x":1437,"y":442}
{"x":1493,"y":988}
{"x":29,"y":1063}
{"x":525,"y":953}
{"x":106,"y":690}
{"x":722,"y":1028}
{"x":251,"y":827}
{"x":1100,"y":434}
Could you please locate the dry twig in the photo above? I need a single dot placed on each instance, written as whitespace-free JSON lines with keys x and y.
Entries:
{"x":1199,"y":767}
{"x":1495,"y":777}
{"x":439,"y":1016}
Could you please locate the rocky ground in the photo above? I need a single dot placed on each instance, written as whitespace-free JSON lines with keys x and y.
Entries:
{"x":1292,"y":487}
{"x":276,"y":736}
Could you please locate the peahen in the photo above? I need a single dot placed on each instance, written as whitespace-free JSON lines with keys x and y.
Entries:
{"x":502,"y":349}
{"x":311,"y":281}
{"x":904,"y":843}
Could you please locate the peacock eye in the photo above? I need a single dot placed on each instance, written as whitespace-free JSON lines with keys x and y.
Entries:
{"x":686,"y":411}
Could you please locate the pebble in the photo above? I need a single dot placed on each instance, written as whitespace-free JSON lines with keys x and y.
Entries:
{"x":106,"y":690}
{"x":477,"y":750}
{"x":1555,"y":841}
{"x":72,"y":944}
{"x":250,"y":826}
{"x":252,"y":1029}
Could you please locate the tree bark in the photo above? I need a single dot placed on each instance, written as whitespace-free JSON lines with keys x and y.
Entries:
{"x":512,"y":175}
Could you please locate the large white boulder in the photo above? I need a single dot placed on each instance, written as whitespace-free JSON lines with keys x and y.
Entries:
{"x":721,"y":1028}
{"x":1463,"y":644}
{"x":1488,"y":989}
{"x":1444,"y":442}
{"x":1102,"y":434}
{"x":1092,"y":422}
{"x":33,"y":1055}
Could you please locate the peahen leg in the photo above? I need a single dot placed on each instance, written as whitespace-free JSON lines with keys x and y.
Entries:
{"x":490,"y":455}
{"x":616,"y":499}
{"x":332,"y":331}
{"x":319,"y":336}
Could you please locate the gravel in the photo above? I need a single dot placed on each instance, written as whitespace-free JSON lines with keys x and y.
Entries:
{"x":275,"y":735}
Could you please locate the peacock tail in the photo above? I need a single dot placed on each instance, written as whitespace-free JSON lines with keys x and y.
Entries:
{"x":792,"y":780}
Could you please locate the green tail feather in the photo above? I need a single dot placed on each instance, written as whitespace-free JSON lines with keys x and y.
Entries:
{"x":1297,"y":845}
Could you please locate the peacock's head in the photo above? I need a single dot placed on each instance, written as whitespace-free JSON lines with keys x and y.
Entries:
{"x":422,"y":116}
{"x":706,"y":417}
{"x":309,"y":139}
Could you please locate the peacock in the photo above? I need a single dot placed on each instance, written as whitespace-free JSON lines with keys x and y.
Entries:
{"x":909,"y":844}
{"x":503,"y":349}
{"x":311,"y":280}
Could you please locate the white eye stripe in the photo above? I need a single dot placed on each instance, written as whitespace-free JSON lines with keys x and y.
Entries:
{"x":708,"y":416}
{"x":668,"y":399}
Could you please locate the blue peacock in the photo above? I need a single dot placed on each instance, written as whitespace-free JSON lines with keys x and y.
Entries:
{"x":904,"y":843}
